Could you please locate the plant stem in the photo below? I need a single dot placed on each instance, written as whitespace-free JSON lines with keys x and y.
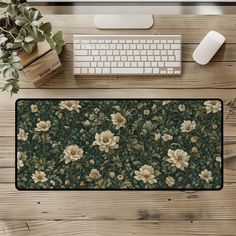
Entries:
{"x":7,"y":32}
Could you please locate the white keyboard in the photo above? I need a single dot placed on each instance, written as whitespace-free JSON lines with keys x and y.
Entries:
{"x":127,"y":54}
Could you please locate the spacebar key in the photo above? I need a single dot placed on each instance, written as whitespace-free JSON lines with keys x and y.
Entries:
{"x":126,"y":70}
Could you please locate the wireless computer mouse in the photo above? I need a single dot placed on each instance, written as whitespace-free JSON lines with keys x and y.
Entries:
{"x":208,"y":47}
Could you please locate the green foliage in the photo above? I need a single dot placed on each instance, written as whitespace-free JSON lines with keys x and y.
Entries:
{"x":139,"y":144}
{"x":20,"y":29}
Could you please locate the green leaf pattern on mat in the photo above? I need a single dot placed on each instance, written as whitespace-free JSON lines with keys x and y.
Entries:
{"x":119,"y":144}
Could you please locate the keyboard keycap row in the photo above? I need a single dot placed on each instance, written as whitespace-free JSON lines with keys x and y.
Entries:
{"x":126,"y":46}
{"x":125,"y":71}
{"x":122,"y":41}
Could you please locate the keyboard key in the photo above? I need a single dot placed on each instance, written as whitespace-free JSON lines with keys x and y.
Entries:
{"x":82,"y":64}
{"x":177,"y":72}
{"x":127,"y":64}
{"x":160,"y":64}
{"x":172,"y":64}
{"x":129,"y":52}
{"x":144,"y":58}
{"x":164,"y":58}
{"x":127,"y":70}
{"x":167,"y":46}
{"x":110,"y":58}
{"x":134,"y":64}
{"x":117,"y":58}
{"x":113,"y":64}
{"x":83,"y":58}
{"x":156,"y":70}
{"x":133,"y":46}
{"x":95,"y":52}
{"x":143,"y":52}
{"x":107,"y":64}
{"x":147,"y":64}
{"x":150,"y":58}
{"x":77,"y":46}
{"x":77,"y":71}
{"x":91,"y":71}
{"x":175,"y":46}
{"x":163,"y":52}
{"x":170,"y":52}
{"x":106,"y":70}
{"x":84,"y":41}
{"x":163,"y":71}
{"x":100,"y":64}
{"x":148,"y":70}
{"x":140,"y":64}
{"x":156,"y":52}
{"x":81,"y":52}
{"x":84,"y":70}
{"x":154,"y":64}
{"x":97,"y":58}
{"x":98,"y":70}
{"x":130,"y":58}
{"x":120,"y":64}
{"x":93,"y":64}
{"x":103,"y":58}
{"x":153,"y":47}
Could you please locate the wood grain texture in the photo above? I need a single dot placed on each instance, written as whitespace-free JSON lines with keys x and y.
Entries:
{"x":115,"y":228}
{"x":218,"y":74}
{"x":128,"y":213}
{"x":117,"y":205}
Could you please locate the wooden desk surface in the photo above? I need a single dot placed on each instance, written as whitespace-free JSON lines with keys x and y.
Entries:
{"x":128,"y":213}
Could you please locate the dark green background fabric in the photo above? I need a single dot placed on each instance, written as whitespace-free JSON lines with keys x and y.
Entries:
{"x":119,"y":144}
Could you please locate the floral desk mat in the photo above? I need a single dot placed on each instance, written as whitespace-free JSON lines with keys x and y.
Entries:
{"x":112,"y":144}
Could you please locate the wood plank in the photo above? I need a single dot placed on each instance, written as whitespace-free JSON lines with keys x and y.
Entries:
{"x":227,"y":53}
{"x":191,"y":27}
{"x":118,"y":205}
{"x":214,"y":75}
{"x":7,"y":102}
{"x":121,"y":227}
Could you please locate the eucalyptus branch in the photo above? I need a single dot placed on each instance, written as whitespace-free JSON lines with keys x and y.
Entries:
{"x":6,"y":31}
